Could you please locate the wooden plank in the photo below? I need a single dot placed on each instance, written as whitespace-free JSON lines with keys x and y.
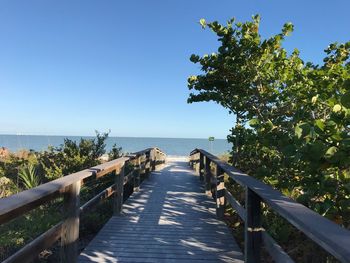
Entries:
{"x":30,"y":251}
{"x":252,"y":227}
{"x":70,"y":227}
{"x":147,"y":164}
{"x":275,"y":250}
{"x":18,"y":204}
{"x":137,"y":179}
{"x":97,"y":199}
{"x":153,"y":159}
{"x":235,"y":205}
{"x":327,"y":234}
{"x":207,"y":177}
{"x":119,"y":190}
{"x":129,"y":177}
{"x":201,"y":167}
{"x":169,"y":219}
{"x":220,"y":193}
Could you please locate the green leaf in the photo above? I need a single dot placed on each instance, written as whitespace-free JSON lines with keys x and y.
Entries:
{"x":337,"y":137}
{"x":314,"y":99}
{"x":298,"y":131}
{"x":345,"y":99}
{"x":254,"y":122}
{"x":203,"y":23}
{"x":320,"y":124}
{"x":331,"y":152}
{"x":302,"y":129}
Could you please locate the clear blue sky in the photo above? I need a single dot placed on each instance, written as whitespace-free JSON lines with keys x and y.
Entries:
{"x":70,"y":67}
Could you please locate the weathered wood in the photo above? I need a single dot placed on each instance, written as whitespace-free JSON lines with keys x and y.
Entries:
{"x":201,"y":167}
{"x":98,"y":198}
{"x":196,"y":163}
{"x":327,"y":234}
{"x":18,"y":204}
{"x":252,"y":228}
{"x":129,"y":177}
{"x":235,"y":205}
{"x":30,"y":251}
{"x":275,"y":250}
{"x":207,"y":177}
{"x":70,"y":227}
{"x":119,"y":190}
{"x":147,"y":164}
{"x":220,"y":192}
{"x":169,"y":220}
{"x":153,"y":159}
{"x":137,"y":180}
{"x":143,"y":161}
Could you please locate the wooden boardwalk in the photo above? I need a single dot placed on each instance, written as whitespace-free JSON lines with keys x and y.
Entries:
{"x":169,"y":220}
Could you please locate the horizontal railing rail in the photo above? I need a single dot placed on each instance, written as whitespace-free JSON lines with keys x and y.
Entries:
{"x":327,"y":234}
{"x":69,"y":187}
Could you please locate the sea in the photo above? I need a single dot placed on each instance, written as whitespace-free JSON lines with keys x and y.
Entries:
{"x":171,"y":146}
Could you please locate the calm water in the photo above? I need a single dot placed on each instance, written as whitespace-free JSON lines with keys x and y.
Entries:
{"x":171,"y":146}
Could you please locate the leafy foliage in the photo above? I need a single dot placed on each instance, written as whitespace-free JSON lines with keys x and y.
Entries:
{"x":27,"y":169}
{"x":29,"y":176}
{"x":115,"y":152}
{"x":292,"y":118}
{"x":73,"y":156}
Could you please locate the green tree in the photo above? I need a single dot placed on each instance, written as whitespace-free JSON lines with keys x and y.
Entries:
{"x":292,"y":118}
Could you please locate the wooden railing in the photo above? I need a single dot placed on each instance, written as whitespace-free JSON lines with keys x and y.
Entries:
{"x":69,"y":186}
{"x":328,"y":235}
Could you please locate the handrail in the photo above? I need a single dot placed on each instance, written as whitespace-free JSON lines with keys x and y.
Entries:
{"x":327,"y":234}
{"x":69,"y":186}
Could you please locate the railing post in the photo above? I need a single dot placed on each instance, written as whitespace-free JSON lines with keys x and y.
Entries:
{"x":207,"y":176}
{"x":153,"y":159}
{"x":119,"y":189}
{"x":147,"y":164}
{"x":253,"y":228}
{"x":197,"y":163}
{"x":220,"y":192}
{"x":137,"y":174}
{"x":70,"y":229}
{"x":201,"y":166}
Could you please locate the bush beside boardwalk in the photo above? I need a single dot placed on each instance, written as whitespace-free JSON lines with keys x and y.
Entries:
{"x":49,"y":165}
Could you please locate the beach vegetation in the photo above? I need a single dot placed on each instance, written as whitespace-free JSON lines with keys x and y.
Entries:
{"x":292,"y":117}
{"x":26,"y":169}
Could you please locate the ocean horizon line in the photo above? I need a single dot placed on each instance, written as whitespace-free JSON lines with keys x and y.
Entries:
{"x":172,"y":146}
{"x":113,"y":136}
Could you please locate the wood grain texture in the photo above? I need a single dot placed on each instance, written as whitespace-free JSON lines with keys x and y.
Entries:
{"x":18,"y":204}
{"x":119,"y":191}
{"x":70,"y":227}
{"x":169,"y":220}
{"x":330,"y":236}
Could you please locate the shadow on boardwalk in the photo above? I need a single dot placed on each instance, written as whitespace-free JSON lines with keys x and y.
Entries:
{"x":169,"y":220}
